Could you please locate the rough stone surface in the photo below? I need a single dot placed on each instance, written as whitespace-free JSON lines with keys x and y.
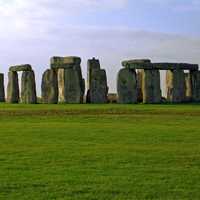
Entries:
{"x":65,"y":62}
{"x":127,"y":63}
{"x":17,"y":68}
{"x":151,"y":86}
{"x":195,"y":79}
{"x":160,"y":66}
{"x":13,"y":88}
{"x":98,"y":88}
{"x":92,"y":64}
{"x":127,"y":86}
{"x":139,"y":85}
{"x":96,"y":82}
{"x":49,"y":87}
{"x":2,"y":91}
{"x":175,"y":66}
{"x":188,"y":87}
{"x":72,"y":86}
{"x":61,"y":86}
{"x":176,"y":89}
{"x":28,"y":88}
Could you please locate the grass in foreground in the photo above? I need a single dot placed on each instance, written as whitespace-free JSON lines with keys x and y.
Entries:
{"x":102,"y":152}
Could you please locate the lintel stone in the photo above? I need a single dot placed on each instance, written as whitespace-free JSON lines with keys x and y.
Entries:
{"x":17,"y":68}
{"x":160,"y":66}
{"x":65,"y":62}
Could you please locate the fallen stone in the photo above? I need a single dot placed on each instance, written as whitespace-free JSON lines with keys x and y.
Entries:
{"x":127,"y":86}
{"x":17,"y":68}
{"x":2,"y":91}
{"x":28,"y":88}
{"x":13,"y":87}
{"x":49,"y":87}
{"x":176,"y":89}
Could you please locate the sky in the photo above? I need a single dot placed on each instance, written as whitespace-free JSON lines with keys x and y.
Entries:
{"x":111,"y":30}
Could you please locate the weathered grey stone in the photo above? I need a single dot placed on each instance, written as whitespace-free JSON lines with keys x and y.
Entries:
{"x":28,"y":88}
{"x":151,"y":86}
{"x":159,"y":66}
{"x":127,"y":63}
{"x":176,"y":89}
{"x":92,"y":64}
{"x":2,"y":91}
{"x":17,"y":68}
{"x":127,"y":86}
{"x":139,"y":85}
{"x":65,"y":62}
{"x":98,"y":88}
{"x":82,"y":89}
{"x":72,"y":86}
{"x":195,"y":79}
{"x":50,"y":87}
{"x":61,"y":86}
{"x":97,"y":83}
{"x":13,"y":88}
{"x":175,"y":66}
{"x":188,"y":87}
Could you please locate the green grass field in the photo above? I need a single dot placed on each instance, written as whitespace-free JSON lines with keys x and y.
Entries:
{"x":99,"y":152}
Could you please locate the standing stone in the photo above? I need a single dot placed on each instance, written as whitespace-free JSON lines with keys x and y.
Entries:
{"x":72,"y":86}
{"x":97,"y":83}
{"x":50,"y":87}
{"x":98,"y":87}
{"x":13,"y":88}
{"x":127,"y":86}
{"x":151,"y":86}
{"x":2,"y":91}
{"x":78,"y":70}
{"x":61,"y":86}
{"x":69,"y":73}
{"x":188,"y":87}
{"x":195,"y":79}
{"x":176,"y":89}
{"x":139,"y":85}
{"x":28,"y":88}
{"x":92,"y":64}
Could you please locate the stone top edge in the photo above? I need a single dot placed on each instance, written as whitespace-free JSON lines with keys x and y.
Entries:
{"x":162,"y":66}
{"x":136,"y":61}
{"x":23,"y":67}
{"x":65,"y":60}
